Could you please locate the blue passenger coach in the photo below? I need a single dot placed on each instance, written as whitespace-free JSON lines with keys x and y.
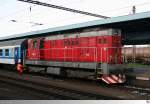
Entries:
{"x":11,"y":52}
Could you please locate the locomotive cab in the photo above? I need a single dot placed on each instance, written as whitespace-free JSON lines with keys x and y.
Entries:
{"x":109,"y":52}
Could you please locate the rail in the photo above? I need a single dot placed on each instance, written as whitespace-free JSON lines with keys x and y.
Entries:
{"x":51,"y":87}
{"x":67,"y":89}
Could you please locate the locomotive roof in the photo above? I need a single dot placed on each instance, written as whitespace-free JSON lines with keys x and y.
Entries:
{"x":132,"y":17}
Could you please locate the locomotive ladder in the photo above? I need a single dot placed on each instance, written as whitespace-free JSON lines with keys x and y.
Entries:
{"x":98,"y":72}
{"x":98,"y":68}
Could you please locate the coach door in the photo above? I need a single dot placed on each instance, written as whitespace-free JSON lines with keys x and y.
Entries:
{"x":16,"y":54}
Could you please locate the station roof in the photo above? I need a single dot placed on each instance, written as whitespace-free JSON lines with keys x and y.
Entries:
{"x":100,"y":22}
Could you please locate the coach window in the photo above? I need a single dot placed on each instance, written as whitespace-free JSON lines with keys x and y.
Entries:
{"x":6,"y":52}
{"x":1,"y":52}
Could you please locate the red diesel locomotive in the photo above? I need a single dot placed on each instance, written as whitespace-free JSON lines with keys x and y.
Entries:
{"x":90,"y":53}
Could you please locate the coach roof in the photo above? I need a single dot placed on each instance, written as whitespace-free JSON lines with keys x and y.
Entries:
{"x":11,"y":42}
{"x":132,"y":17}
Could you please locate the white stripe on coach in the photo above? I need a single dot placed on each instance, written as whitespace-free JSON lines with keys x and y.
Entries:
{"x":7,"y":61}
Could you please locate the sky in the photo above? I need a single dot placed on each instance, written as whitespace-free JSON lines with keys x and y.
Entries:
{"x":49,"y":17}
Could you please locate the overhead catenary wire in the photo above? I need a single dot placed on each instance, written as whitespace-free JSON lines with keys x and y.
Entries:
{"x":19,"y":11}
{"x":106,"y":11}
{"x":62,"y":20}
{"x":64,"y":8}
{"x":125,"y":7}
{"x":138,"y":4}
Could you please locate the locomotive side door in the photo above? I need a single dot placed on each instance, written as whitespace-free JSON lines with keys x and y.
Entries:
{"x":35,"y":49}
{"x":41,"y":48}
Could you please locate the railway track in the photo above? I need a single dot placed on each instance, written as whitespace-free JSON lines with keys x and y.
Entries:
{"x":56,"y":91}
{"x":139,"y":90}
{"x":135,"y":90}
{"x":61,"y":88}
